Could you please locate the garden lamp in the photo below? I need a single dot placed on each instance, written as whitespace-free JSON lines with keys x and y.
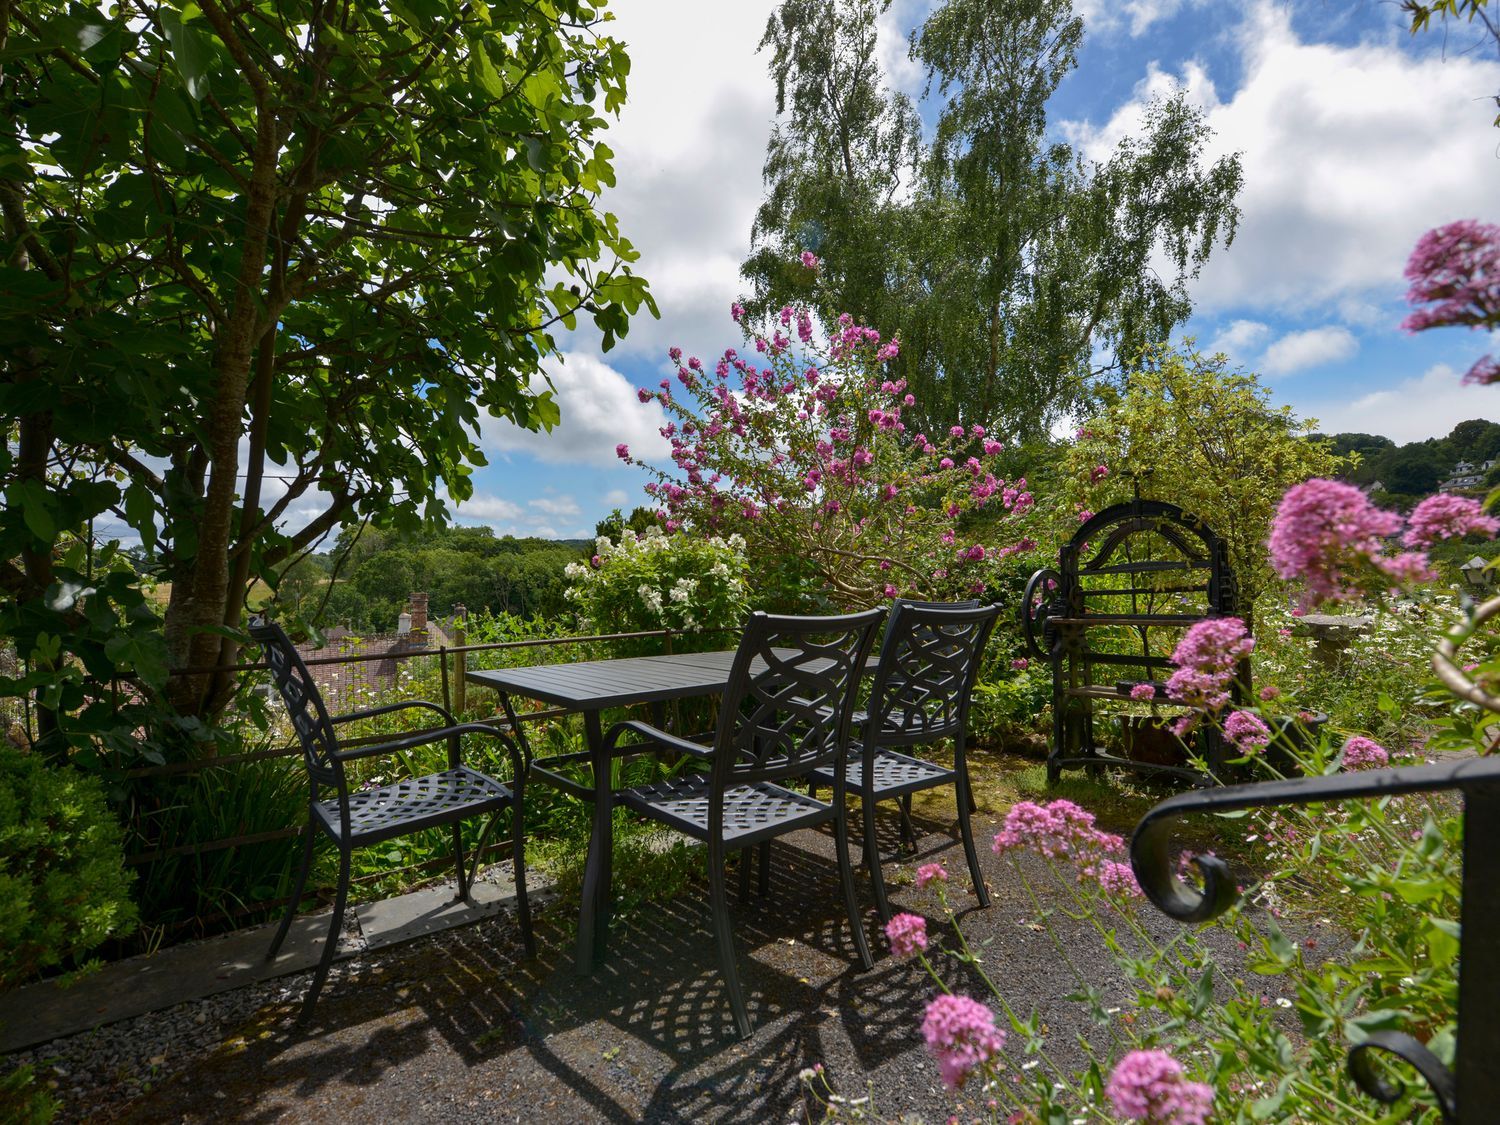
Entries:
{"x":1476,"y":573}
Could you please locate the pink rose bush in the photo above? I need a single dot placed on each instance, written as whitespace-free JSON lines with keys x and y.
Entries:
{"x":806,"y":450}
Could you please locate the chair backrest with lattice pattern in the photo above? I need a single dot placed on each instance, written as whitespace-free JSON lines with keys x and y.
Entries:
{"x":929,"y":661}
{"x":790,"y":695}
{"x":304,"y":704}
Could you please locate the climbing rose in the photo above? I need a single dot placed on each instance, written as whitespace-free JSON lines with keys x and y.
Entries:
{"x":1445,"y":516}
{"x":961,"y":1034}
{"x":1150,"y":1086}
{"x":810,"y":260}
{"x":622,"y":451}
{"x":1248,"y":733}
{"x":1324,"y":528}
{"x":907,"y":934}
{"x":1361,"y":753}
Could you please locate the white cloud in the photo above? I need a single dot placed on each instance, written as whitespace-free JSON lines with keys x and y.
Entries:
{"x":1429,"y":405}
{"x":1112,"y":15}
{"x":1349,"y":154}
{"x":556,"y":505}
{"x":616,"y":498}
{"x":487,"y":509}
{"x":599,"y":410}
{"x":1239,"y":339}
{"x":1298,"y":350}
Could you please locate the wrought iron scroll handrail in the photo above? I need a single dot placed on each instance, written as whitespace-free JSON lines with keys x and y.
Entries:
{"x":1472,"y":1088}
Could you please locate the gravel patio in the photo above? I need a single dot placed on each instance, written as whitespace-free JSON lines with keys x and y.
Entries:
{"x":459,"y":1027}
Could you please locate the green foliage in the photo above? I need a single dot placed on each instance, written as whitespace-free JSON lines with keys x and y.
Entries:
{"x":25,"y":1101}
{"x":457,"y":566}
{"x":62,"y":874}
{"x":1186,"y":430}
{"x":1422,"y":11}
{"x":1002,"y":259}
{"x":655,"y":581}
{"x":331,"y":238}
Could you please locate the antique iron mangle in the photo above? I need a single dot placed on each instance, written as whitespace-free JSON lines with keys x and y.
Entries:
{"x":1127,"y":584}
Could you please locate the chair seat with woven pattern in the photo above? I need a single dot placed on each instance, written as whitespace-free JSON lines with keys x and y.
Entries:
{"x":360,"y":817}
{"x":752,"y":813}
{"x":894,"y":775}
{"x":413,"y":804}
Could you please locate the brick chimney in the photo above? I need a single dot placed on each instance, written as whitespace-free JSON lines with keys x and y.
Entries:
{"x":417,"y":607}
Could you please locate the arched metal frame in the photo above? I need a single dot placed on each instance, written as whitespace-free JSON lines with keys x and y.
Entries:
{"x":1056,"y":619}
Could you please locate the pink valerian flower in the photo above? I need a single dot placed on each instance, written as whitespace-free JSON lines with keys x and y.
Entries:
{"x":1117,"y":879}
{"x":1152,"y":1086}
{"x":1247,"y":732}
{"x":1408,"y":568}
{"x":1084,"y":515}
{"x":1456,"y":268}
{"x":907,"y":934}
{"x":931,"y":873}
{"x":1445,"y":516}
{"x":961,"y":1034}
{"x":1062,"y":830}
{"x":810,"y":261}
{"x":1269,"y":692}
{"x":1361,"y":753}
{"x":1143,"y":693}
{"x":1322,"y":530}
{"x":1486,"y":370}
{"x":1206,"y":658}
{"x":1020,"y":664}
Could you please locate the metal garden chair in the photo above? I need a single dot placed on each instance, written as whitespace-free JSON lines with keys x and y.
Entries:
{"x":359,"y":818}
{"x":929,"y":660}
{"x":786,"y":711}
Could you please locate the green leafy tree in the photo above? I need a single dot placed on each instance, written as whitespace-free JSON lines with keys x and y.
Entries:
{"x":328,"y":237}
{"x":1470,"y":11}
{"x":1187,"y":430}
{"x":1005,"y":262}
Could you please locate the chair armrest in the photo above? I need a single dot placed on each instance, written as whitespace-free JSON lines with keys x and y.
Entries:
{"x":520,"y":760}
{"x":657,"y":742}
{"x":388,"y":708}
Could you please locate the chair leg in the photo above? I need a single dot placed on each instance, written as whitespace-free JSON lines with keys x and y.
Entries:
{"x":458,"y":862}
{"x":746,"y":857}
{"x":518,"y":861}
{"x":719,"y":907}
{"x":846,"y":876}
{"x":872,"y":858}
{"x":908,"y":834}
{"x":764,"y":887}
{"x":965,"y":800}
{"x":335,"y":927}
{"x":297,"y":888}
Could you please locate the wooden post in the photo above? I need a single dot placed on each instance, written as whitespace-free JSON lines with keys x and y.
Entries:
{"x":460,"y":661}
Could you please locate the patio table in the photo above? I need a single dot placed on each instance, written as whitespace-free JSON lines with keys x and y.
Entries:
{"x":588,"y":687}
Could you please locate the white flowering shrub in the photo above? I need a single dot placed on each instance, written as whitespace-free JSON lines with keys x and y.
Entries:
{"x":656,"y":581}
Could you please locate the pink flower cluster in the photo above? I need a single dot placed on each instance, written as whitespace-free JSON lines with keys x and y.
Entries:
{"x":1143,"y":693}
{"x":907,"y":934}
{"x":1152,"y":1086}
{"x":931,"y":873}
{"x":1062,"y":830}
{"x":1455,"y":269}
{"x":1361,"y":753}
{"x":961,"y":1034}
{"x":1445,"y":516}
{"x":1322,"y":530}
{"x":1247,"y":732}
{"x":1206,"y":659}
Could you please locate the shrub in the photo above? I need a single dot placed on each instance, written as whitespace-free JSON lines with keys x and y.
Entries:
{"x":62,"y":874}
{"x":655,"y":581}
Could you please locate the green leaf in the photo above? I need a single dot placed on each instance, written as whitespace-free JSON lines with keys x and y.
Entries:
{"x":192,"y":49}
{"x":482,"y":72}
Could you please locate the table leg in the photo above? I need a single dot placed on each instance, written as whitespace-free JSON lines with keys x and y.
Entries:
{"x":593,"y":915}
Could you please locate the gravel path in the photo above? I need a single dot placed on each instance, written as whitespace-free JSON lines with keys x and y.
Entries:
{"x":460,"y":1027}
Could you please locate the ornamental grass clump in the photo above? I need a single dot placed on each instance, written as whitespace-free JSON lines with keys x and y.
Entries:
{"x":804,"y":449}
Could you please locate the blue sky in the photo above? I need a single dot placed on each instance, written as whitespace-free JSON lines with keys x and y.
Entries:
{"x":1355,"y":138}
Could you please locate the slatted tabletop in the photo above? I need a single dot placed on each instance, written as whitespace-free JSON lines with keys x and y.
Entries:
{"x":594,"y":684}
